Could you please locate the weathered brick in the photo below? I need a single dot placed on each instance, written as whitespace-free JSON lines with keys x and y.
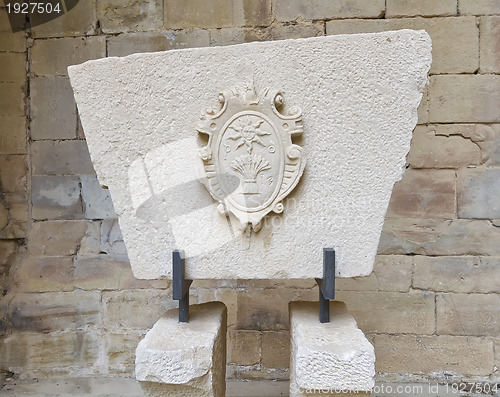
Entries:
{"x":61,"y":158}
{"x":97,"y":202}
{"x":12,"y":135}
{"x":244,"y":347}
{"x":464,"y":274}
{"x":276,"y":349}
{"x":44,"y":274}
{"x":135,"y":15}
{"x":409,"y":313}
{"x":12,"y":99}
{"x":52,"y":57}
{"x":455,"y":41}
{"x":478,"y":7}
{"x":439,"y":237}
{"x":425,"y":8}
{"x":416,"y":354}
{"x":53,"y":108}
{"x":478,"y":192}
{"x":12,"y":67}
{"x":468,"y":314}
{"x":132,"y":43}
{"x":289,"y":10}
{"x":17,"y":205}
{"x":57,"y":238}
{"x":489,"y":43}
{"x":79,"y":21}
{"x":56,"y":197}
{"x":13,"y":169}
{"x":390,"y":273}
{"x":424,"y":194}
{"x":121,"y":351}
{"x":464,"y":98}
{"x":443,"y":146}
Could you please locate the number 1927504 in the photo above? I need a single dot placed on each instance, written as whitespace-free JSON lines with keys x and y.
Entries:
{"x":33,"y":8}
{"x":472,"y":387}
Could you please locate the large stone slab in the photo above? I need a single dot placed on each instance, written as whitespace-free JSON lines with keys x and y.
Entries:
{"x":358,"y":95}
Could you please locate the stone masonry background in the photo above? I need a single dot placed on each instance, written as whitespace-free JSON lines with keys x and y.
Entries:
{"x":69,"y":304}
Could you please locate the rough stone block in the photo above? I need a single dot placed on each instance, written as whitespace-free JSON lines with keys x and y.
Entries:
{"x":52,"y":57}
{"x":112,"y":118}
{"x":418,"y":354}
{"x":111,"y":238}
{"x":464,"y":98}
{"x":126,"y":44}
{"x":424,"y":8}
{"x":60,"y":158}
{"x":478,"y":7}
{"x":478,"y":192}
{"x":276,"y":349}
{"x":12,"y":135}
{"x":120,"y":354}
{"x":12,"y":67}
{"x":13,"y":170}
{"x":181,"y":359}
{"x":487,"y":138}
{"x":443,"y":146}
{"x":53,"y":108}
{"x":468,"y":314}
{"x":455,"y":41}
{"x":489,"y":43}
{"x":116,"y":17}
{"x":14,"y":224}
{"x":424,"y":194}
{"x":56,"y":197}
{"x":12,"y":99}
{"x":333,"y":356}
{"x":96,"y":200}
{"x":244,"y":347}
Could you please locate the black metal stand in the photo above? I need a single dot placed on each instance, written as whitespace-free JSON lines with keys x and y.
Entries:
{"x":180,"y":285}
{"x":326,"y":285}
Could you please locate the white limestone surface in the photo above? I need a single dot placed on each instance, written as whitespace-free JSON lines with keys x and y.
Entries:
{"x":185,"y":359}
{"x":334,"y":357}
{"x":358,"y":95}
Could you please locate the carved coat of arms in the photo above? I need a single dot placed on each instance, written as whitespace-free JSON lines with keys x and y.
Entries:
{"x":250,"y":162}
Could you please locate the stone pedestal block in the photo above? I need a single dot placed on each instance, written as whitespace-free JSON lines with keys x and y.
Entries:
{"x":185,"y":359}
{"x":331,"y":359}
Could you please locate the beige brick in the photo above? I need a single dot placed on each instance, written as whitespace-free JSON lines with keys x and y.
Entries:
{"x":61,"y":158}
{"x":53,"y":108}
{"x":455,"y":41}
{"x":244,"y":347}
{"x":13,"y":169}
{"x":464,"y":98}
{"x":17,"y":205}
{"x":439,"y":237}
{"x":425,"y":8}
{"x":468,"y":314}
{"x":132,"y":43}
{"x":56,"y":197}
{"x":478,"y":7}
{"x":52,"y":57}
{"x":12,"y":42}
{"x":390,"y":273}
{"x":464,"y":274}
{"x":415,"y":354}
{"x":489,"y":43}
{"x":12,"y":67}
{"x":97,"y":202}
{"x":57,"y":238}
{"x":424,"y":194}
{"x":12,"y":135}
{"x":289,"y":10}
{"x":121,"y":351}
{"x":135,"y":15}
{"x":81,"y":20}
{"x":478,"y":192}
{"x":11,"y":99}
{"x":443,"y":146}
{"x":276,"y":349}
{"x":409,"y":313}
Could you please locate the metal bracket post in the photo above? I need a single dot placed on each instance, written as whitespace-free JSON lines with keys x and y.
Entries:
{"x":180,"y":285}
{"x":326,"y":285}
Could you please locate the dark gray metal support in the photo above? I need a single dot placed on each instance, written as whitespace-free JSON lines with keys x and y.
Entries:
{"x":326,"y":285}
{"x":180,"y":285}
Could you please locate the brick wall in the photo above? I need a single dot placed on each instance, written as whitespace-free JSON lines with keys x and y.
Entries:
{"x":70,"y":305}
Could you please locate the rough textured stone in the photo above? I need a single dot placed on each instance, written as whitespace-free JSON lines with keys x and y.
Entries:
{"x":111,"y":238}
{"x":490,"y":44}
{"x":443,"y":146}
{"x":12,"y":135}
{"x":487,"y":138}
{"x":424,"y":194}
{"x":116,"y":17}
{"x":12,"y":99}
{"x":455,"y":41}
{"x":391,"y":98}
{"x":13,"y":169}
{"x":60,"y":158}
{"x":276,"y":349}
{"x":52,"y":57}
{"x":478,"y":7}
{"x":56,"y":197}
{"x":426,"y":8}
{"x":121,"y":352}
{"x":96,"y":200}
{"x":334,"y":355}
{"x":53,"y":109}
{"x":244,"y":347}
{"x":478,"y":192}
{"x":12,"y":67}
{"x":468,"y":314}
{"x":17,"y":206}
{"x":181,"y":359}
{"x":457,"y":274}
{"x":464,"y":98}
{"x":416,"y":354}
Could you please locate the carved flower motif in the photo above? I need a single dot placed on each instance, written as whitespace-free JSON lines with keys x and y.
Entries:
{"x":247,"y":131}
